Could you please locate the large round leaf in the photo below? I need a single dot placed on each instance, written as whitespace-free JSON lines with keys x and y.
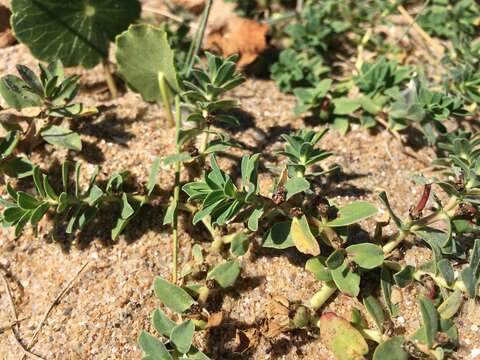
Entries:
{"x":140,"y":67}
{"x":78,"y":32}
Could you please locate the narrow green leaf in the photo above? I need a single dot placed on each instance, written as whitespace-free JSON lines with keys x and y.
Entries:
{"x":375,"y":310}
{"x":430,"y":320}
{"x":450,"y":306}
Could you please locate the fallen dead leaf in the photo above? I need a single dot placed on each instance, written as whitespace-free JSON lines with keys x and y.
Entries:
{"x":214,"y":320}
{"x":246,"y":339}
{"x":6,"y":35}
{"x":230,"y":34}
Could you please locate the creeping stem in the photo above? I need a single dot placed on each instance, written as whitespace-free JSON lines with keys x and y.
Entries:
{"x":446,"y":212}
{"x":176,"y":190}
{"x":112,"y":87}
{"x":165,"y":93}
{"x":320,"y":297}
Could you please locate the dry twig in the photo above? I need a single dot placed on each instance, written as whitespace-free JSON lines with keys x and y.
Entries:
{"x":55,"y":302}
{"x":14,"y":328}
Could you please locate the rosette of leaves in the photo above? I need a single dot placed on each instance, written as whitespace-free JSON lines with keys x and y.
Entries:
{"x":297,"y":69}
{"x":42,"y":102}
{"x":466,"y":81}
{"x":379,"y":76}
{"x":205,"y":87}
{"x":77,"y":207}
{"x":302,"y":152}
{"x":329,"y":105}
{"x":76,"y":32}
{"x":460,"y":161}
{"x":303,"y":63}
{"x":424,"y":107}
{"x":220,"y":199}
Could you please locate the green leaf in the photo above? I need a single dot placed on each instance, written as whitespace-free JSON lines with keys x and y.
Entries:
{"x":225,"y":274}
{"x":14,"y":94}
{"x":383,"y":197}
{"x":375,"y":310}
{"x":386,"y":282}
{"x":368,"y":256}
{"x":76,"y":32}
{"x":131,"y":52}
{"x":341,"y":338}
{"x":279,"y":236}
{"x":404,"y":277}
{"x":450,"y":306}
{"x":9,"y":143}
{"x":256,"y":214}
{"x":344,"y":106}
{"x":170,"y":213}
{"x":239,"y":244}
{"x":335,"y":259}
{"x":182,"y":336}
{"x":39,"y":213}
{"x":470,"y":281}
{"x":153,"y":347}
{"x":17,"y":167}
{"x":172,"y":159}
{"x":316,"y":265}
{"x":391,"y":349}
{"x":296,"y":185}
{"x":446,"y":269}
{"x":353,"y":213}
{"x":303,"y":238}
{"x":152,"y":178}
{"x":26,"y":201}
{"x":162,"y":323}
{"x":172,"y":296}
{"x":60,"y":136}
{"x":346,"y":280}
{"x":430,"y":320}
{"x":341,"y":124}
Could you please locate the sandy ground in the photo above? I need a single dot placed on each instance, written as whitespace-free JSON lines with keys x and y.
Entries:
{"x":112,"y":301}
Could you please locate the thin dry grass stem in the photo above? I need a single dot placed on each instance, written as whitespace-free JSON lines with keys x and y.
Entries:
{"x":55,"y":302}
{"x":14,"y":327}
{"x":436,"y":48}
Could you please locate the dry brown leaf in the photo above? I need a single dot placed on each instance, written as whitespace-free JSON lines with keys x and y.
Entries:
{"x":214,"y":320}
{"x":230,"y":34}
{"x":246,"y":339}
{"x":277,"y":306}
{"x":6,"y":35}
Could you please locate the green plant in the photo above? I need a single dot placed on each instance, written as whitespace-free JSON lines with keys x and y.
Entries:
{"x":425,"y":107}
{"x":188,"y":302}
{"x":44,"y":102}
{"x":75,"y":207}
{"x":448,"y":19}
